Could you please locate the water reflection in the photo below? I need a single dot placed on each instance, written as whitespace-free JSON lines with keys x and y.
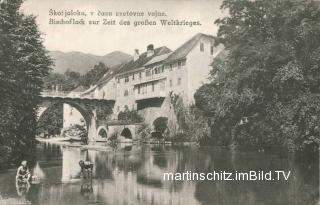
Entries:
{"x":133,"y":175}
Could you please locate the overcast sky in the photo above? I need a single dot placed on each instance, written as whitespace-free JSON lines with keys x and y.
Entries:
{"x":101,"y":40}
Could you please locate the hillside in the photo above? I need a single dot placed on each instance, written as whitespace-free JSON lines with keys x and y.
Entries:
{"x":82,"y":62}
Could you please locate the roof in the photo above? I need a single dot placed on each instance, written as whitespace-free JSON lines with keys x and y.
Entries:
{"x":157,"y":59}
{"x":143,"y":59}
{"x":183,"y":50}
{"x":79,"y":89}
{"x":108,"y":75}
{"x":92,"y":88}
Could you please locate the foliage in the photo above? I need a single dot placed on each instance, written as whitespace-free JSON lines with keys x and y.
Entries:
{"x":65,"y":82}
{"x":103,"y":112}
{"x":160,"y":124}
{"x":72,"y":79}
{"x":76,"y":131}
{"x":24,"y":63}
{"x":5,"y":153}
{"x":144,"y":131}
{"x":191,"y":121}
{"x":114,"y":136}
{"x":130,"y":116}
{"x":265,"y":90}
{"x":94,"y":74}
{"x":50,"y":121}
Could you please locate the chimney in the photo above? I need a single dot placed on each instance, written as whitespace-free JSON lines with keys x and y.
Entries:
{"x":150,"y":50}
{"x":136,"y":54}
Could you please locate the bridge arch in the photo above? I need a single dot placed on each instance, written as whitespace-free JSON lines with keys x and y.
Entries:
{"x":102,"y":132}
{"x":127,"y":133}
{"x":44,"y":109}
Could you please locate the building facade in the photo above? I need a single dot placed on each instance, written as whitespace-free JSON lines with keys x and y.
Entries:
{"x":145,"y":83}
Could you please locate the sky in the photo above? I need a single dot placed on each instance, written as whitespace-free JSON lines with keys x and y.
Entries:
{"x":100,"y":40}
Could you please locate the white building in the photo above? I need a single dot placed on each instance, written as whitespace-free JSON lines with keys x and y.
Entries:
{"x":145,"y":82}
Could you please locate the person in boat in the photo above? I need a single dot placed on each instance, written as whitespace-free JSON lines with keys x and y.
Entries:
{"x":23,"y":173}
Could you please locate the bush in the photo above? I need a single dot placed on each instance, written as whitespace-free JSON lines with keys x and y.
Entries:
{"x":144,"y":131}
{"x":193,"y":126}
{"x":5,"y":153}
{"x":76,"y":130}
{"x":160,"y":124}
{"x":130,"y":116}
{"x":180,"y":137}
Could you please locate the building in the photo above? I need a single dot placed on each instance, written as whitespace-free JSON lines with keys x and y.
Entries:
{"x":145,"y":83}
{"x":133,"y":74}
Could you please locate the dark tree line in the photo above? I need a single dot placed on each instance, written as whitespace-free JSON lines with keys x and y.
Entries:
{"x":72,"y":79}
{"x":24,"y":63}
{"x":265,"y":86}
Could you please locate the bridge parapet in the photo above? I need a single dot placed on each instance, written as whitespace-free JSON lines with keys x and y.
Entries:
{"x":50,"y":93}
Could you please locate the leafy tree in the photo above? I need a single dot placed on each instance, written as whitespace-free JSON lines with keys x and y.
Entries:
{"x":24,"y":63}
{"x":265,"y":90}
{"x":94,"y":75}
{"x":130,"y":115}
{"x":51,"y":121}
{"x":160,"y":124}
{"x":71,"y":79}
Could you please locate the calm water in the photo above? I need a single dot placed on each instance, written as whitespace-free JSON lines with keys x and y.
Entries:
{"x":133,"y":175}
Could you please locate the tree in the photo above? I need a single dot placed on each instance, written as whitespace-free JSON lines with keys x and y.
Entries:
{"x":51,"y":121}
{"x":24,"y":63}
{"x":94,"y":74}
{"x":265,"y":90}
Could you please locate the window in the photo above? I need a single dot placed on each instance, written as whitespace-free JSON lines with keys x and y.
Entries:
{"x":171,"y":67}
{"x":126,"y":79}
{"x":126,"y":93}
{"x":152,"y":87}
{"x":103,"y":94}
{"x":132,"y":76}
{"x":170,"y":82}
{"x":148,"y":73}
{"x":163,"y":85}
{"x":179,"y":81}
{"x":140,"y":75}
{"x":211,"y":50}
{"x":201,"y":47}
{"x":118,"y":108}
{"x":179,"y":64}
{"x":144,"y":89}
{"x":138,"y":89}
{"x":118,"y":80}
{"x":162,"y":69}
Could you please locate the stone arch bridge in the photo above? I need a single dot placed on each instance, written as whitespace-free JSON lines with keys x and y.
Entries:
{"x":88,"y":109}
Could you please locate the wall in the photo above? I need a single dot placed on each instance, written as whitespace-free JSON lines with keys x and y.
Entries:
{"x":198,"y":64}
{"x":117,"y":129}
{"x":71,"y":116}
{"x":106,"y":90}
{"x":122,"y":86}
{"x":165,"y":110}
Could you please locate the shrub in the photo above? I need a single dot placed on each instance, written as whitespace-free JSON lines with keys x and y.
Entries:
{"x":130,"y":116}
{"x":5,"y":153}
{"x":160,"y":124}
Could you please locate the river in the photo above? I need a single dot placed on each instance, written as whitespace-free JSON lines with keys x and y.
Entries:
{"x":133,"y":175}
